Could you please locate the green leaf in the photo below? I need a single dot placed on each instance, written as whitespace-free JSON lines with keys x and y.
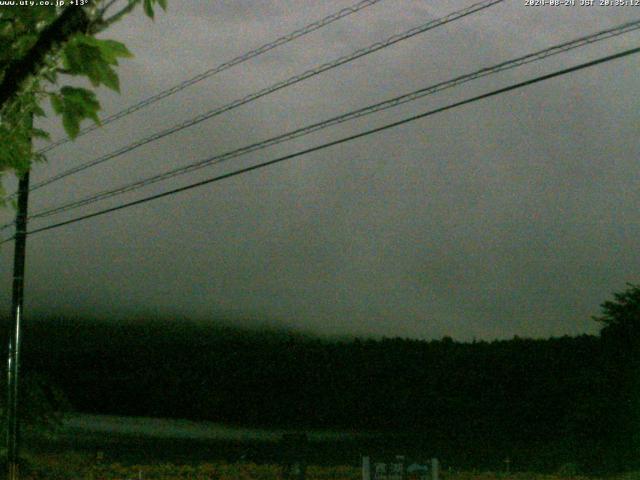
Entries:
{"x":87,"y":39}
{"x":109,"y":78}
{"x":38,"y":133}
{"x":86,"y":55}
{"x":112,"y":49}
{"x":38,"y":111}
{"x":82,"y":100}
{"x":148,"y":8}
{"x":56,"y":103}
{"x":50,"y":75}
{"x":75,"y":105}
{"x":71,"y":124}
{"x":71,"y":58}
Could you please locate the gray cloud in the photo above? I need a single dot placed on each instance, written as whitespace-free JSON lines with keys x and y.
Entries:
{"x":515,"y":215}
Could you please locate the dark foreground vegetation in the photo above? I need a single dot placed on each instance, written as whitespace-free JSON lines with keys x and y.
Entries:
{"x":81,"y":467}
{"x":543,"y":403}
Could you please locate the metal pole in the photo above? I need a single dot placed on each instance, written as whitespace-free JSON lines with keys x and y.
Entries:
{"x":13,"y":433}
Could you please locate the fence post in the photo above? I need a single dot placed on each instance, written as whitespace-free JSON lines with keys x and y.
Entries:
{"x":435,"y":469}
{"x":366,"y":468}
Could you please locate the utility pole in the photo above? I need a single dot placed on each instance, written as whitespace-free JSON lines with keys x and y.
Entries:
{"x":13,"y":362}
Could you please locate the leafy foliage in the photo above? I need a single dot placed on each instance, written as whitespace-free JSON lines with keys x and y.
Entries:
{"x":149,"y":5}
{"x":620,"y":366}
{"x":86,"y":55}
{"x":622,"y":315}
{"x":16,"y":132}
{"x":73,"y":104}
{"x":82,"y":55}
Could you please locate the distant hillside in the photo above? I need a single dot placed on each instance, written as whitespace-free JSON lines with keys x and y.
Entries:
{"x":550,"y":401}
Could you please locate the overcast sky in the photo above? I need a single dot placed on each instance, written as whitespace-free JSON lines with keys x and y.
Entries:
{"x":516,"y":215}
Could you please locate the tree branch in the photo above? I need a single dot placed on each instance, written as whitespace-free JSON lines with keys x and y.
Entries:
{"x":107,"y":7}
{"x":72,"y":20}
{"x":102,"y":24}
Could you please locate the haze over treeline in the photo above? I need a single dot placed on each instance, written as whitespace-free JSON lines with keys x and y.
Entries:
{"x":541,"y":402}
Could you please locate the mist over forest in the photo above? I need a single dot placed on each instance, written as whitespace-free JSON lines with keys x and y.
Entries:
{"x":541,"y":402}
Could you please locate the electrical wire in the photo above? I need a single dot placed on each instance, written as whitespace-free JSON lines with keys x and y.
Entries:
{"x":513,"y":63}
{"x":312,"y":27}
{"x":273,"y":88}
{"x":341,"y":140}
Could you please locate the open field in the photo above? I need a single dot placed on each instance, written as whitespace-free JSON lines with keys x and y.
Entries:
{"x":173,"y":428}
{"x":110,"y":447}
{"x":142,"y":440}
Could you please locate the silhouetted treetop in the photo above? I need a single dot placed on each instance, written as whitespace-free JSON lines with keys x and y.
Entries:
{"x":621,"y":316}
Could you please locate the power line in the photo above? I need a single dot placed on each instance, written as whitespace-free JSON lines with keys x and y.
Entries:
{"x":513,"y":63}
{"x":215,"y":70}
{"x":342,"y":140}
{"x":273,"y":88}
